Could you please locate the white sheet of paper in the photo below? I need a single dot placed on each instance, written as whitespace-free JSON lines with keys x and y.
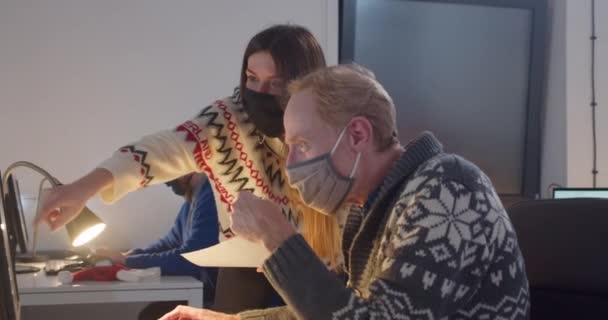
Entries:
{"x":235,"y":252}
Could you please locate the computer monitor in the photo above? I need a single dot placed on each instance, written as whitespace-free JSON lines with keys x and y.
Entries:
{"x":569,"y":193}
{"x":470,"y":71}
{"x":9,"y":295}
{"x":13,"y":208}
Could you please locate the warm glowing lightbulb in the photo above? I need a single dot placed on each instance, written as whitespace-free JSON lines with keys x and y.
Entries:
{"x":88,"y":234}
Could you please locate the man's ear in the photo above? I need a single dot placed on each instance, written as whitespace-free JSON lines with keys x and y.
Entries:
{"x":360,"y":133}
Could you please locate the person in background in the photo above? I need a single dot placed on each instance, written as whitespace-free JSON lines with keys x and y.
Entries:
{"x":195,"y":228}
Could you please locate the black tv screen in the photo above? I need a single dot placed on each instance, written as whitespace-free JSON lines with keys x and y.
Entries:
{"x":469,"y":71}
{"x":9,"y":295}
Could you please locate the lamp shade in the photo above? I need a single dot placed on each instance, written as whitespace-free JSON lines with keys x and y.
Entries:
{"x":84,"y":228}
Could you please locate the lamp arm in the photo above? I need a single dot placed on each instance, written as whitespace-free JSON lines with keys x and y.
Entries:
{"x":47,"y":177}
{"x":35,"y":240}
{"x":54,"y":181}
{"x":81,"y":229}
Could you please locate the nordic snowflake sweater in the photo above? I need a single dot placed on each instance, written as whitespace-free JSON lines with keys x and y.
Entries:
{"x":434,"y":243}
{"x":222,"y":142}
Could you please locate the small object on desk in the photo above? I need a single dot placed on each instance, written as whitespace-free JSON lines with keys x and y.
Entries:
{"x":75,"y":263}
{"x":138,"y":275}
{"x":24,"y":268}
{"x":65,"y":277}
{"x":53,"y":267}
{"x":90,"y":274}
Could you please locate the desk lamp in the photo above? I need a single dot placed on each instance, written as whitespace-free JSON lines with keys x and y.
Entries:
{"x":82,"y":229}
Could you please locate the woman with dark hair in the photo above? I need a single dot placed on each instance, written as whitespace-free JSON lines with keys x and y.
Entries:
{"x":236,"y":141}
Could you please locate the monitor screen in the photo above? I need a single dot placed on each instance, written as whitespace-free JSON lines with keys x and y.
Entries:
{"x":9,"y":295}
{"x":16,"y":225}
{"x":461,"y":69}
{"x":569,"y":193}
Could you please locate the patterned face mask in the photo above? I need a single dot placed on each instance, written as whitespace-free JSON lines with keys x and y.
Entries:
{"x":319,"y":183}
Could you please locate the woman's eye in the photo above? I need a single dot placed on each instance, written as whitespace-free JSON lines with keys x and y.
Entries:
{"x":252,"y":78}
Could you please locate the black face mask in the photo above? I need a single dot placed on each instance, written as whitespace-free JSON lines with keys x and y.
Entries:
{"x":265,"y":112}
{"x":177,"y":187}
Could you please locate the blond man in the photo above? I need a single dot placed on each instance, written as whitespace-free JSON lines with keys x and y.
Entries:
{"x":427,"y":238}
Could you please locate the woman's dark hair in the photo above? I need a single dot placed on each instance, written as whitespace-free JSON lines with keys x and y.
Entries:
{"x":293,"y":48}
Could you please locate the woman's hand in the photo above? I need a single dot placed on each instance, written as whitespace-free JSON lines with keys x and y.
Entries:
{"x":189,"y":313}
{"x":62,"y":204}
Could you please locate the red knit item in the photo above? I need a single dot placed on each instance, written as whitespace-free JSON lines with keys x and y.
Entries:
{"x":104,"y":273}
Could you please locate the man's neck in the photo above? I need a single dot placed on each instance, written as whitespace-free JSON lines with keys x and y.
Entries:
{"x":375,"y":174}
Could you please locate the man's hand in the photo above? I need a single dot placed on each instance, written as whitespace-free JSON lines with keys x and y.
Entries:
{"x":257,"y":220}
{"x":115,"y":256}
{"x":189,"y":313}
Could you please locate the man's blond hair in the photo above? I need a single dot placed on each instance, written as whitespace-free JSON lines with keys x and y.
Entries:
{"x":346,"y":91}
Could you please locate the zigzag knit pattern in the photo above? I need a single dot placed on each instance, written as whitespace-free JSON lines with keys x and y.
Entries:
{"x":222,"y":142}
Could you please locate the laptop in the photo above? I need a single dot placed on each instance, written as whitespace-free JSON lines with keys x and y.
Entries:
{"x":9,"y":293}
{"x":570,"y":193}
